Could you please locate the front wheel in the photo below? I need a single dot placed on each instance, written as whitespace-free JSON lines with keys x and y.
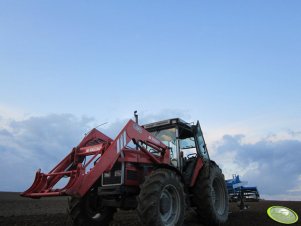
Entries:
{"x":211,"y":196}
{"x":88,"y":211}
{"x":161,"y":199}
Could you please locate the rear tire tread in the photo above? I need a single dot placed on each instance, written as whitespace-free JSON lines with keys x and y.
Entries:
{"x":203,"y":197}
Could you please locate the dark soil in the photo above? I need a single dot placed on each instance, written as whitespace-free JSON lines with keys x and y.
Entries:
{"x":19,"y":211}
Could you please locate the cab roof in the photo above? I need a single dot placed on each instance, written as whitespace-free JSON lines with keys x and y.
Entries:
{"x":168,"y":123}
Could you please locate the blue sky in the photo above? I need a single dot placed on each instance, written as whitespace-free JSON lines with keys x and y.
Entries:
{"x":234,"y":65}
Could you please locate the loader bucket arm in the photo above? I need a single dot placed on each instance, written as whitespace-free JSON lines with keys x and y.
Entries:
{"x":132,"y":131}
{"x":103,"y":151}
{"x":93,"y":145}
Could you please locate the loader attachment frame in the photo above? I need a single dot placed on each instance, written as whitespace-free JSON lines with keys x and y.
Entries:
{"x":103,"y":152}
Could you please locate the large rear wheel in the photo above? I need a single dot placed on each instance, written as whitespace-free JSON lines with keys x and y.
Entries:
{"x":211,"y":196}
{"x":88,"y":211}
{"x":161,"y":199}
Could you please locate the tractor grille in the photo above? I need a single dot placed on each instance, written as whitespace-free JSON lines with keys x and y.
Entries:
{"x":132,"y":175}
{"x":112,"y":180}
{"x":114,"y":176}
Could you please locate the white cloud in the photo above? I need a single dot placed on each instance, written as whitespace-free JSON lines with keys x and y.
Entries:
{"x":36,"y":142}
{"x":271,"y":164}
{"x":257,"y":128}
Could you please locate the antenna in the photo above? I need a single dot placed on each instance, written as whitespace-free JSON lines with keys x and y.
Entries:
{"x":136,"y":116}
{"x":96,"y":127}
{"x":101,"y":124}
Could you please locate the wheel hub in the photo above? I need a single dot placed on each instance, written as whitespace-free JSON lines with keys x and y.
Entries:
{"x":169,"y":205}
{"x":165,"y":204}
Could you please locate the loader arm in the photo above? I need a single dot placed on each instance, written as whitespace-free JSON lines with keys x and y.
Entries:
{"x":104,"y":152}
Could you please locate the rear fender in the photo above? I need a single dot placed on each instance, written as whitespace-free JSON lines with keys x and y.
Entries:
{"x":198,"y":166}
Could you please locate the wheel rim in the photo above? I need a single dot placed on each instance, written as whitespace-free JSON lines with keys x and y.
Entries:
{"x":169,"y":205}
{"x":218,"y":196}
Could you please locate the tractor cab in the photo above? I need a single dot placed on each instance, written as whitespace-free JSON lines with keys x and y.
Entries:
{"x":185,"y":140}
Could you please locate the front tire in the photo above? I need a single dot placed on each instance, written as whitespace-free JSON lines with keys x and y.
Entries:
{"x":211,"y":196}
{"x":161,"y":200}
{"x":88,"y":211}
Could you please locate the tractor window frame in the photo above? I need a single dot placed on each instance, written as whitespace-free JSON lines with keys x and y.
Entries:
{"x":200,"y":142}
{"x":186,"y":134}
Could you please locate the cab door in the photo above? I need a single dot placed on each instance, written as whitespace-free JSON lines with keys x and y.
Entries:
{"x":200,"y":143}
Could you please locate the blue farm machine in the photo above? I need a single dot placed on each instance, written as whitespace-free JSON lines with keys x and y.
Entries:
{"x":239,"y":192}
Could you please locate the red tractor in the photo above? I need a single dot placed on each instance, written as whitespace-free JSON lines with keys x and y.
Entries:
{"x":159,"y":169}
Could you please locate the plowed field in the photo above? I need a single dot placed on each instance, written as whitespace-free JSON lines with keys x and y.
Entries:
{"x":18,"y":211}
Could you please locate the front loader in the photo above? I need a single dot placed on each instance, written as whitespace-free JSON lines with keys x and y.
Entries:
{"x":159,"y":169}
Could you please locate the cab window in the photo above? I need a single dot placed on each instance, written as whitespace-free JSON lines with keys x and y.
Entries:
{"x":187,"y":147}
{"x":168,"y":137}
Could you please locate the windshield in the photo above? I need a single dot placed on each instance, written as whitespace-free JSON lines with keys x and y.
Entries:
{"x":168,"y":137}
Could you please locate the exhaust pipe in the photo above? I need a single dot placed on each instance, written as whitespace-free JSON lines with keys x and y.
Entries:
{"x":136,"y":116}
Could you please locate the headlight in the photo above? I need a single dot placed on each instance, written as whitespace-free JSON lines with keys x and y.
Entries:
{"x":117,"y":173}
{"x":106,"y":175}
